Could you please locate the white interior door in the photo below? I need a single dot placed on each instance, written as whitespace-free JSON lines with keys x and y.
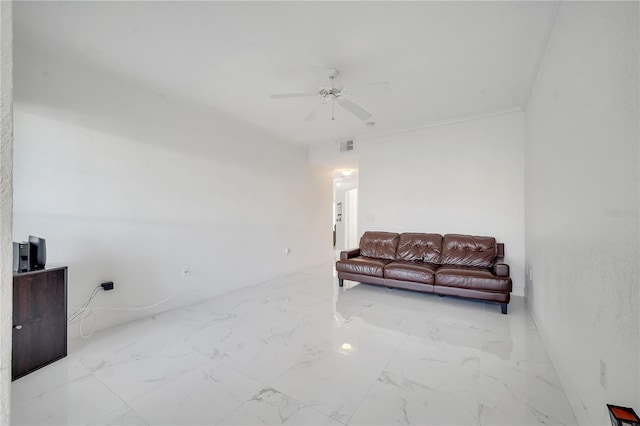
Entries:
{"x":351,"y":218}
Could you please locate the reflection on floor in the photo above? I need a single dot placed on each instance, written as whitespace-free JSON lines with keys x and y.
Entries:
{"x":299,"y":350}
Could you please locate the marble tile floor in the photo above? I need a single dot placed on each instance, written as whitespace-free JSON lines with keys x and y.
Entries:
{"x":299,"y":350}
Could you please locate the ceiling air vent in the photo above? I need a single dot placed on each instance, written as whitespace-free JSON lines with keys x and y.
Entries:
{"x":346,"y":145}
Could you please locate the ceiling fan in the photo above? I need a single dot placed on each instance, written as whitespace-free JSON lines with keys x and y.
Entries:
{"x":331,"y":91}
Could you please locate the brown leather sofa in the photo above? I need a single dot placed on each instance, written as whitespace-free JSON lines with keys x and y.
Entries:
{"x":453,"y":265}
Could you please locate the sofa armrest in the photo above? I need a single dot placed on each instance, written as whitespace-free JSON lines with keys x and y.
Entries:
{"x":348,"y":254}
{"x":501,"y":270}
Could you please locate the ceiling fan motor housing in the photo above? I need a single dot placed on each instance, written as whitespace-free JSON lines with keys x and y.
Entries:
{"x":332,"y":92}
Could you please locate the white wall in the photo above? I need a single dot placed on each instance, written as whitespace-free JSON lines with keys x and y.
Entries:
{"x":465,"y":177}
{"x":128,"y":185}
{"x":582,"y":203}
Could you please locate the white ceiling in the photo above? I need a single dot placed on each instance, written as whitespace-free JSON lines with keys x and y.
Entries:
{"x":443,"y":60}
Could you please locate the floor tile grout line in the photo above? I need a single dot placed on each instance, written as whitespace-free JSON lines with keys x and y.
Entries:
{"x":177,"y":376}
{"x":116,"y":395}
{"x":58,"y":386}
{"x":376,"y":379}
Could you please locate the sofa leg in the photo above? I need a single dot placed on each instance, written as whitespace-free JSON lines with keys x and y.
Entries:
{"x":503,"y":307}
{"x":340,"y":282}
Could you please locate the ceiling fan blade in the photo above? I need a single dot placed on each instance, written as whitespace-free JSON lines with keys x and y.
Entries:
{"x":314,"y":112}
{"x":354,"y":109}
{"x":365,"y":89}
{"x":292,"y":95}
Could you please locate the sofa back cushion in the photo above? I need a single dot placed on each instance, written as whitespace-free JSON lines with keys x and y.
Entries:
{"x":467,"y":250}
{"x":381,"y":245}
{"x":424,"y":247}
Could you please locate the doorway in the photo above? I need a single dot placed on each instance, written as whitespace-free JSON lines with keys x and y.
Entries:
{"x":351,"y":218}
{"x":345,"y":209}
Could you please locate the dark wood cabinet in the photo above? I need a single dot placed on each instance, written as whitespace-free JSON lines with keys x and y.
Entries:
{"x":39,"y":319}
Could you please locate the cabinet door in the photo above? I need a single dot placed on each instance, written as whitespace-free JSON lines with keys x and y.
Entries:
{"x":39,"y":320}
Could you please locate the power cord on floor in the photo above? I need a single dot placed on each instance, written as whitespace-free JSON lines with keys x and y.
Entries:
{"x":86,"y":310}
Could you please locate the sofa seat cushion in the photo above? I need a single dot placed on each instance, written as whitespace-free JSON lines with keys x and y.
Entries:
{"x":471,"y":277}
{"x":363,"y":266}
{"x":416,"y":271}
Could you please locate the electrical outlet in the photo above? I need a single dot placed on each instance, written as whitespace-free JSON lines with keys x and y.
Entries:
{"x":603,"y":374}
{"x":530,"y":273}
{"x":185,"y":271}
